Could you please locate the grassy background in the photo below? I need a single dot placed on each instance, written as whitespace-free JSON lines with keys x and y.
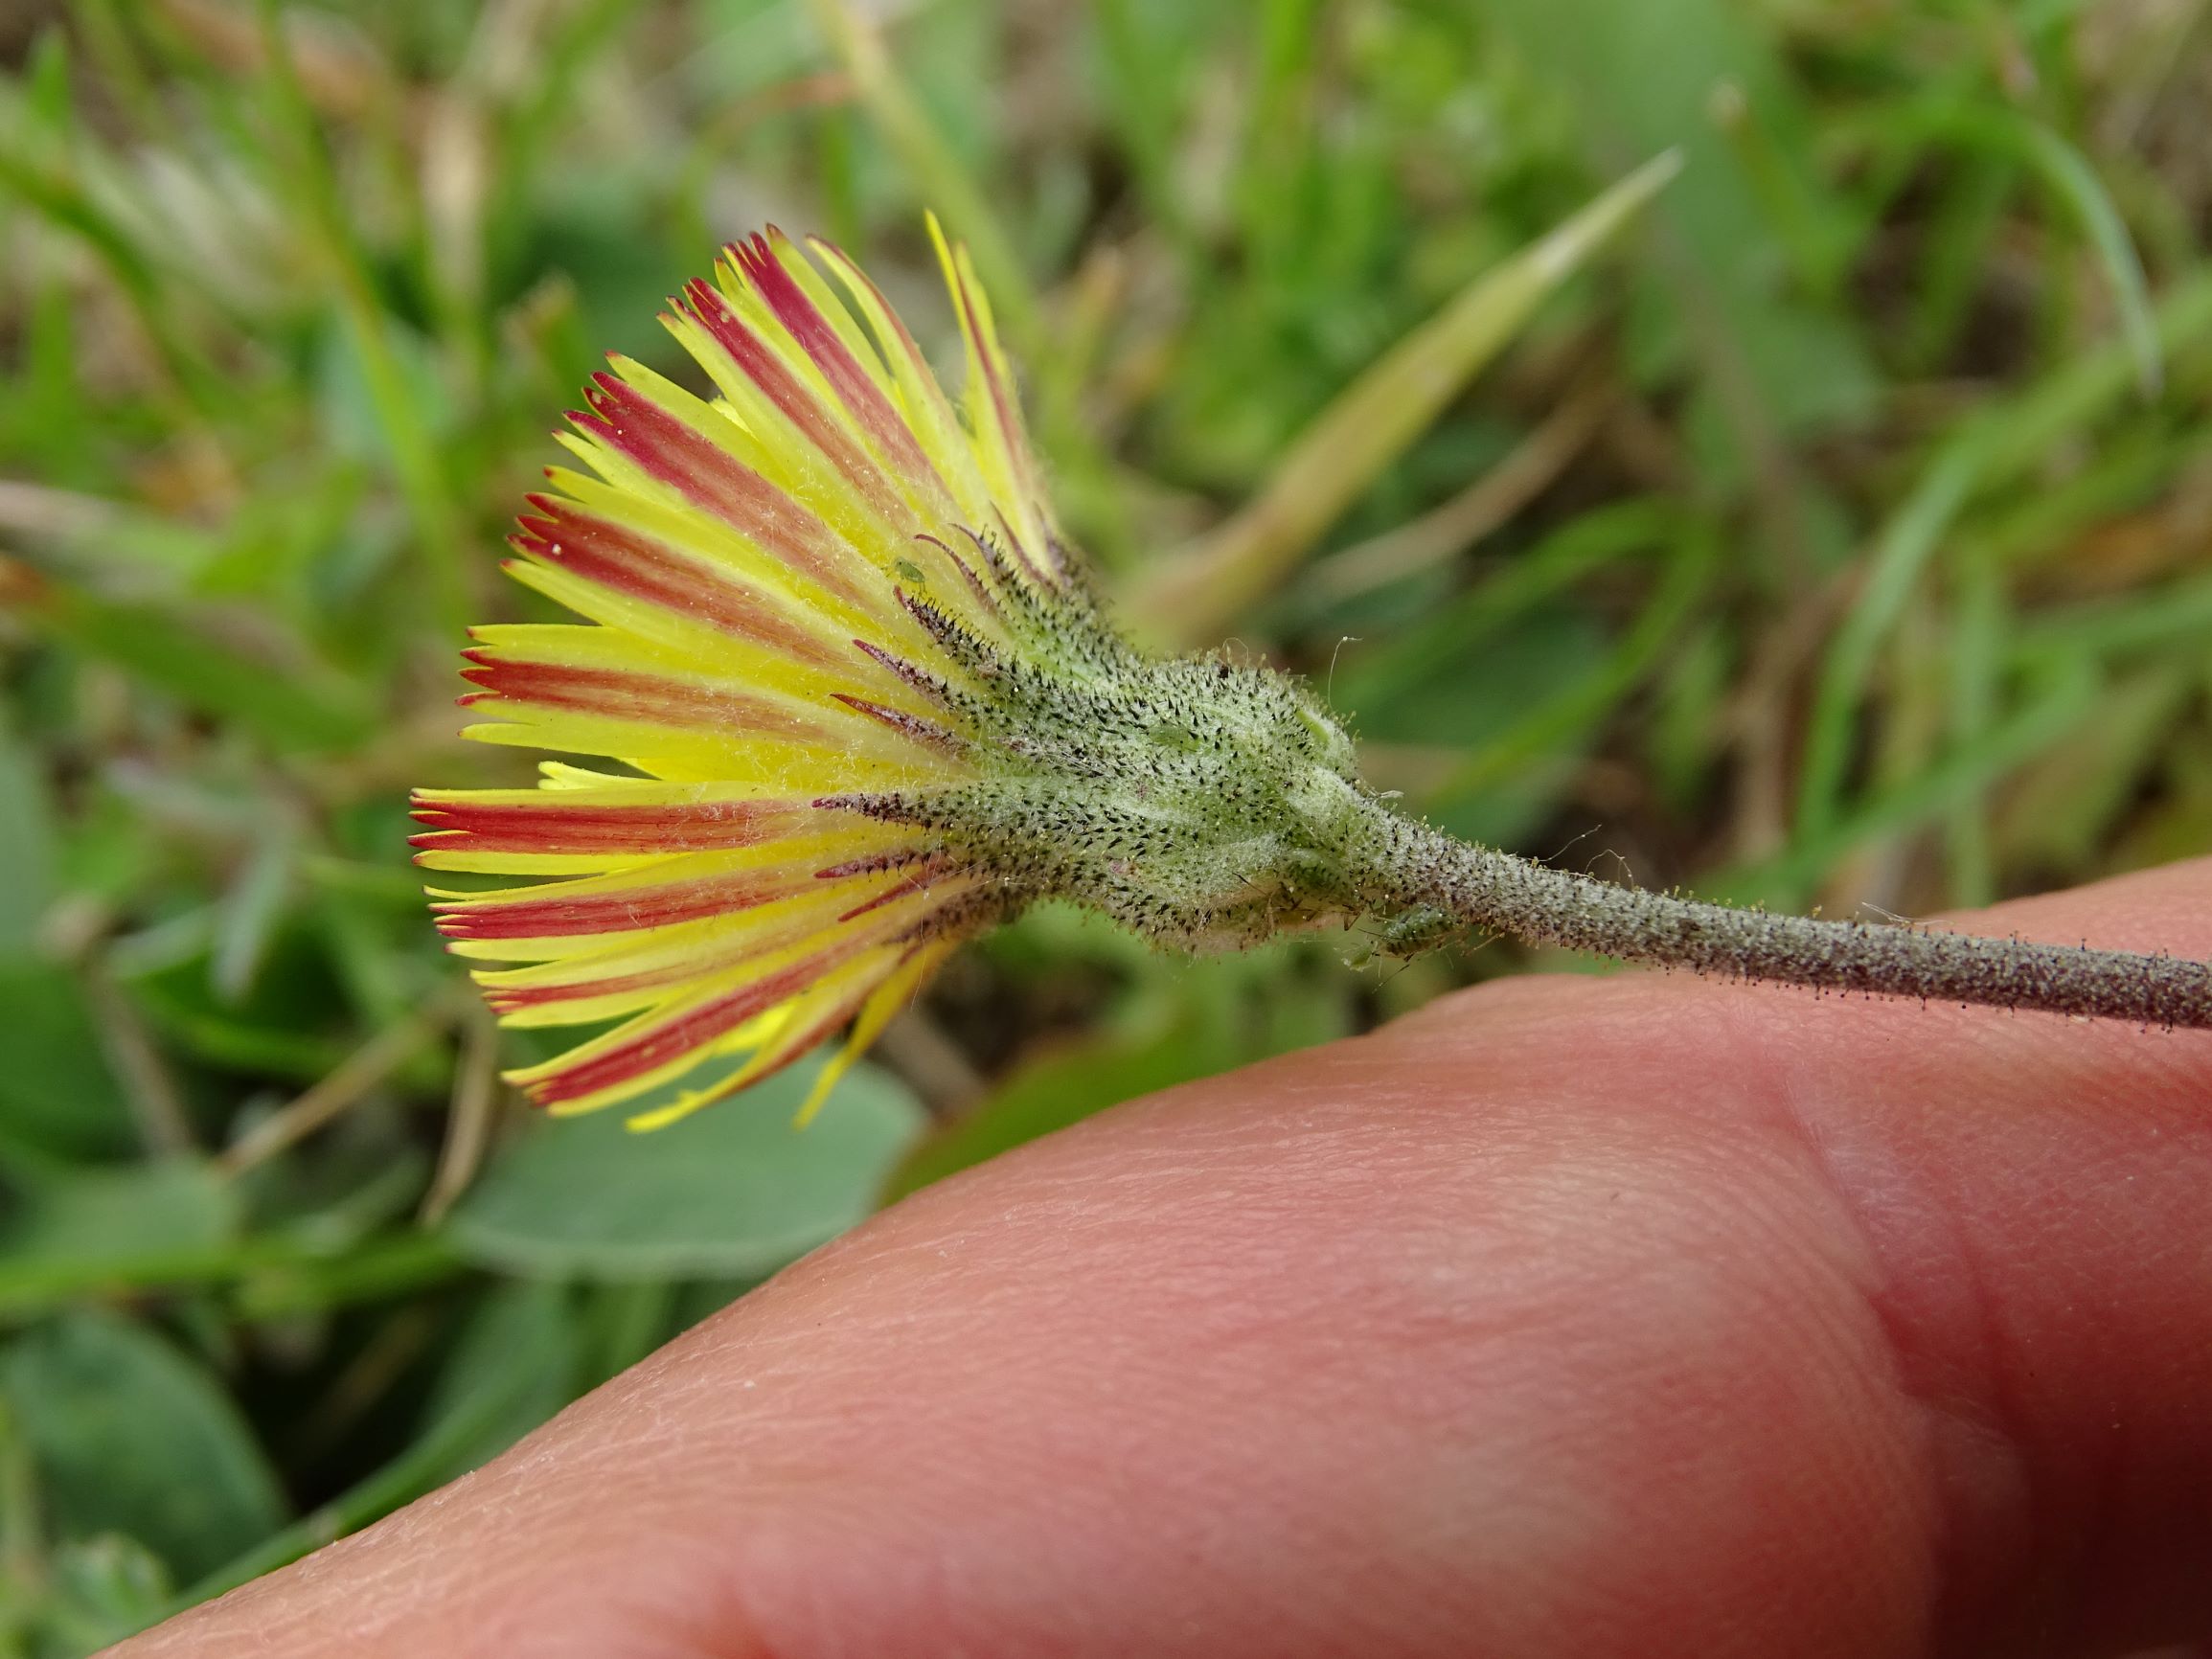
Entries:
{"x":1836,"y":535}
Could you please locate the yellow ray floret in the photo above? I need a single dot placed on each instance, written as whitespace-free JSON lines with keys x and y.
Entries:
{"x":751,"y":660}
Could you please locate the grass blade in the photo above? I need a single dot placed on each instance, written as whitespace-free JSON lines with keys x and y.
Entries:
{"x":937,"y":172}
{"x":1987,"y":451}
{"x":1372,"y":422}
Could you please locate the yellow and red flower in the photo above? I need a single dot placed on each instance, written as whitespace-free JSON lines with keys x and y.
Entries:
{"x":861,"y":706}
{"x":856,"y":704}
{"x":768,"y":578}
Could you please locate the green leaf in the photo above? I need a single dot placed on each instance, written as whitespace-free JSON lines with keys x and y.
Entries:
{"x":1556,"y":723}
{"x":26,"y":844}
{"x":281,"y":1027}
{"x":176,"y":1204}
{"x":57,"y":1094}
{"x":251,"y":911}
{"x":1467,"y":697}
{"x":1785,"y":881}
{"x":2068,"y":802}
{"x":2005,"y":132}
{"x":130,"y":1434}
{"x":1640,"y":76}
{"x":1372,"y":422}
{"x":735,"y":1190}
{"x":297,"y":706}
{"x":515,"y":1366}
{"x":142,"y":1223}
{"x":1994,"y":448}
{"x":102,"y":1590}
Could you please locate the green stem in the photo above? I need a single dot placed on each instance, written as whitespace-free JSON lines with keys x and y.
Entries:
{"x":295,"y":1277}
{"x":1410,"y":868}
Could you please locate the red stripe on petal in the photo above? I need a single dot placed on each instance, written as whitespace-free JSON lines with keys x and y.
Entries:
{"x":654,"y":1048}
{"x":794,"y":401}
{"x":906,"y":340}
{"x":553,"y":826}
{"x":710,"y":957}
{"x":628,"y":562}
{"x":630,"y":910}
{"x":798,"y":1045}
{"x":619,"y":694}
{"x":707,"y":475}
{"x":669,"y":976}
{"x":855,"y":387}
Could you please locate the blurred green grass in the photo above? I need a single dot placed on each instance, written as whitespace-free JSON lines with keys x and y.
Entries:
{"x":1836,"y":536}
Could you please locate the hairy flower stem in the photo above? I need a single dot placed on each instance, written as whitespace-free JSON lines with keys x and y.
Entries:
{"x":1477,"y":887}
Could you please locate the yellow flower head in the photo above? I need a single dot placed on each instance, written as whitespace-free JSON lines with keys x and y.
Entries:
{"x":860,"y":703}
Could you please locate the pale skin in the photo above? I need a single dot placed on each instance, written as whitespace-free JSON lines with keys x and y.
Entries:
{"x":1567,"y":1316}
